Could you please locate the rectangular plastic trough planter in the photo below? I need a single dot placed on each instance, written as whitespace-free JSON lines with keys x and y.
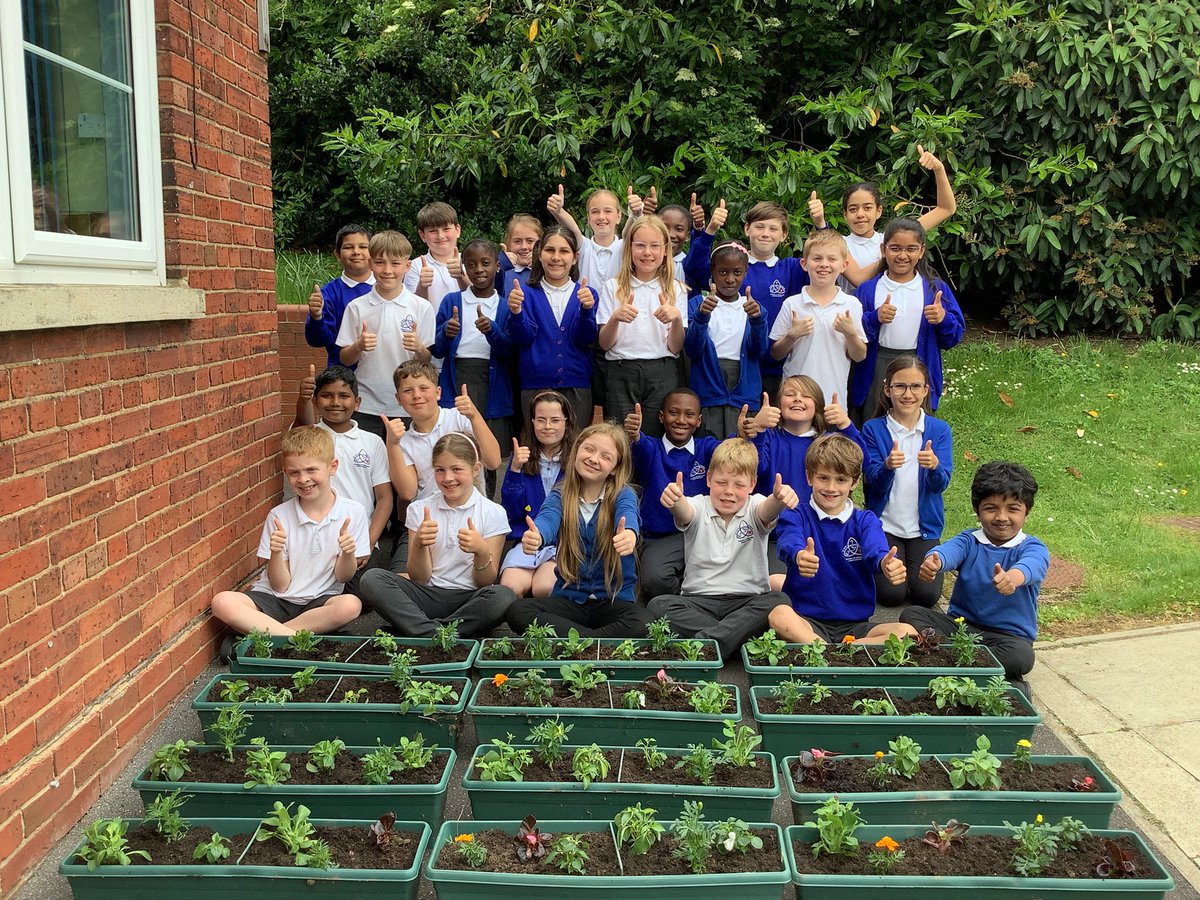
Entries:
{"x":869,"y":674}
{"x":602,"y":800}
{"x":410,"y":802}
{"x":244,"y":663}
{"x":1151,"y":884}
{"x":616,"y":727}
{"x":1093,"y":808}
{"x":204,"y":882}
{"x":615,"y":668}
{"x":783,"y":734}
{"x":357,"y":724}
{"x":472,"y":885}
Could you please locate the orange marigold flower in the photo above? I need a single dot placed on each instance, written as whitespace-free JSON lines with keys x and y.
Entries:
{"x":499,"y":678}
{"x":848,"y":639}
{"x":879,"y":754}
{"x":886,"y":843}
{"x":464,"y":838}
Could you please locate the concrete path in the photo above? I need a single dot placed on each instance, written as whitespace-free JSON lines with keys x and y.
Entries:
{"x":1131,"y":700}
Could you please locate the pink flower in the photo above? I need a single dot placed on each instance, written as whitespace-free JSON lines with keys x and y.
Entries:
{"x":661,"y":675}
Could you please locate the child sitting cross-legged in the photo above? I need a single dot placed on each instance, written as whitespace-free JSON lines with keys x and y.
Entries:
{"x":832,"y":552}
{"x":726,"y":596}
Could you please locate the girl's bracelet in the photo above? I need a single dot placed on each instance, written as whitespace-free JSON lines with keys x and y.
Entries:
{"x":491,"y":559}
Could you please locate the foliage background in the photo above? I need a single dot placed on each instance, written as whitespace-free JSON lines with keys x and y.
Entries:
{"x":1068,"y":128}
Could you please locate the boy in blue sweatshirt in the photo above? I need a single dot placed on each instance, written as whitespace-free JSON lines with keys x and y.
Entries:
{"x":657,"y":462}
{"x":1000,"y":571}
{"x":327,"y":304}
{"x":832,"y":552}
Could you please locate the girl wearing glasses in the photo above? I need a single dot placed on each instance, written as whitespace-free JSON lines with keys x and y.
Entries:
{"x":906,"y":471}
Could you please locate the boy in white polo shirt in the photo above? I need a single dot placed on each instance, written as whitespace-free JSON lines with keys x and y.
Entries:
{"x":819,"y":331}
{"x":440,"y":271}
{"x":726,"y":596}
{"x":311,"y":545}
{"x":383,"y":328}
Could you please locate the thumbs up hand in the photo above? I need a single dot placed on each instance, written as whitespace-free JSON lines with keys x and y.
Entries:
{"x":800,"y":327}
{"x":783,"y":494}
{"x":586,"y":298}
{"x":633,"y":423}
{"x":719,"y":215}
{"x":673,"y":492}
{"x":626,"y":312}
{"x":531,"y":540}
{"x":930,"y":566}
{"x":816,"y":210}
{"x":624,"y":541}
{"x":316,"y":303}
{"x":935,"y":312}
{"x":425,"y":279}
{"x":926,"y":458}
{"x":753,"y":310}
{"x":556,"y":201}
{"x":835,"y":415}
{"x":471,"y":541}
{"x":453,"y":325}
{"x":346,"y":542}
{"x":887,"y":311}
{"x":367,"y":341}
{"x":768,"y":415}
{"x":667,"y":311}
{"x":927,"y":160}
{"x":482,"y":323}
{"x":844,"y":322}
{"x":747,"y":425}
{"x":454,"y":267}
{"x":892,"y":568}
{"x":465,"y":405}
{"x":896,"y":458}
{"x":308,"y":386}
{"x":395,"y":429}
{"x":807,"y":562}
{"x":650,"y":203}
{"x":520,"y":456}
{"x":697,"y":213}
{"x":710,"y":301}
{"x":427,"y":531}
{"x":516,"y":298}
{"x":1007,"y":582}
{"x":411,"y":341}
{"x":278,"y":536}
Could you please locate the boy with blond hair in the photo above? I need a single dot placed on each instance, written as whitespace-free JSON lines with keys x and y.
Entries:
{"x":726,"y":596}
{"x":312,"y":545}
{"x":819,"y":331}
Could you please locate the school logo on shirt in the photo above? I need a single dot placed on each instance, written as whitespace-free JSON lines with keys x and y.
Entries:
{"x":743,"y":533}
{"x":698,"y":471}
{"x":777,"y":289}
{"x":362,"y":459}
{"x":852,"y":552}
{"x":408,"y":323}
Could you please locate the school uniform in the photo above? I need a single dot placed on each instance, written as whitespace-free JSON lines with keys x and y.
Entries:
{"x":522,"y":495}
{"x":598,"y":264}
{"x":389,"y":320}
{"x":418,"y":448}
{"x":443,"y":282}
{"x":782,"y":453}
{"x":476,"y":359}
{"x":725,"y":347}
{"x":335,"y":296}
{"x":820,"y":355}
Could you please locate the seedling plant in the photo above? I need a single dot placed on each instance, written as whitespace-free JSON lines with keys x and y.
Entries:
{"x":651,"y":755}
{"x":661,"y":635}
{"x":709,"y":697}
{"x":530,"y":842}
{"x":836,"y":823}
{"x":265,"y":766}
{"x":573,"y":645}
{"x":166,"y":812}
{"x":579,"y":678}
{"x":230,"y":727}
{"x":105,"y":844}
{"x":261,"y":645}
{"x":212,"y":851}
{"x":503,"y":762}
{"x":767,"y":646}
{"x":739,"y":749}
{"x":538,"y":641}
{"x":549,"y":736}
{"x":322,"y":756}
{"x":637,"y":828}
{"x":980,"y":769}
{"x":445,"y":637}
{"x":700,"y":763}
{"x":943,"y":837}
{"x":169,"y":762}
{"x":589,"y":764}
{"x":474,"y":853}
{"x":303,"y":641}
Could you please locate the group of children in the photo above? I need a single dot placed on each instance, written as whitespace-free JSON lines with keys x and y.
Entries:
{"x":724,"y":505}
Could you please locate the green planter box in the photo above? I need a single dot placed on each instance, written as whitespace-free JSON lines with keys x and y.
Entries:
{"x":869,"y":674}
{"x":603,"y":800}
{"x":246,"y":664}
{"x":471,"y":885}
{"x":1093,"y":808}
{"x":631,"y":669}
{"x":357,"y":724}
{"x":410,"y":802}
{"x":783,"y":734}
{"x":615,"y":727}
{"x":1153,"y":883}
{"x":203,"y":882}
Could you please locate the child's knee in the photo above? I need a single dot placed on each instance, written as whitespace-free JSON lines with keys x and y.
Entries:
{"x":782,"y":617}
{"x":345,"y":607}
{"x":228,"y":603}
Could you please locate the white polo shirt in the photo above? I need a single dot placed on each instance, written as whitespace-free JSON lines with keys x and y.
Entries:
{"x":559,"y":297}
{"x":443,"y":282}
{"x":418,"y":448}
{"x":645,"y":337}
{"x":727,"y":327}
{"x":472,"y":343}
{"x":312,"y":547}
{"x":388,"y":320}
{"x":865,"y":250}
{"x":725,"y":559}
{"x":598,"y":264}
{"x":902,"y":514}
{"x":822,"y":354}
{"x":909,"y":299}
{"x":362,"y":464}
{"x":451,"y":567}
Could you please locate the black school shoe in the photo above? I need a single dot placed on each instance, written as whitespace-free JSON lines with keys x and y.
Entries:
{"x":1023,"y":686}
{"x":228,"y":642}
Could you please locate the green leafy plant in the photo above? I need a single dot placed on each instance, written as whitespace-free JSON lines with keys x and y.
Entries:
{"x":788,"y":693}
{"x":812,"y":654}
{"x":233,"y":691}
{"x":869,"y":706}
{"x":980,"y":769}
{"x":302,"y":679}
{"x":426,"y":695}
{"x":503,"y":762}
{"x":302,"y":641}
{"x":261,"y":645}
{"x":579,"y":678}
{"x":469,"y":849}
{"x":897,"y":651}
{"x":401,"y":666}
{"x":689,"y":651}
{"x":105,"y":844}
{"x":739,"y":749}
{"x":166,"y":813}
{"x":231,"y":725}
{"x":1037,"y":845}
{"x":322,"y":756}
{"x":169,"y":762}
{"x":412,"y":753}
{"x":950,"y":690}
{"x":381,"y":764}
{"x":445,"y":637}
{"x":549,"y":736}
{"x":633,"y":699}
{"x":589,"y":764}
{"x":1070,"y":831}
{"x":994,"y":699}
{"x":354,"y":695}
{"x":573,"y":645}
{"x":694,"y":837}
{"x":1023,"y":755}
{"x":709,"y":697}
{"x":569,"y":853}
{"x":836,"y":823}
{"x":637,"y":828}
{"x":538,"y":641}
{"x":498,"y":648}
{"x":700,"y":763}
{"x":533,"y":686}
{"x":384,"y":642}
{"x":296,"y":833}
{"x":944,"y":837}
{"x":661,"y":635}
{"x":819,"y":693}
{"x":625,"y":651}
{"x":767,"y":646}
{"x":213,"y":850}
{"x":906,"y":756}
{"x":264,"y":694}
{"x":735,"y":836}
{"x":880,"y":771}
{"x":651,"y":755}
{"x":265,"y":766}
{"x":965,"y":643}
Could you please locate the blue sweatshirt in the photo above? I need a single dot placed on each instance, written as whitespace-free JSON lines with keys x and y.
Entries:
{"x":931,"y":483}
{"x":500,"y":398}
{"x":782,"y":453}
{"x":850,"y":553}
{"x":323,"y":332}
{"x":522,"y":495}
{"x":553,"y":355}
{"x":931,"y":340}
{"x":590,"y":580}
{"x":974,"y":596}
{"x":707,"y":380}
{"x":654,"y":468}
{"x":508,"y":278}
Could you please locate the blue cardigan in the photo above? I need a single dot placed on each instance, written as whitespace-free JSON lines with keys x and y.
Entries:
{"x":500,"y":398}
{"x":931,"y":340}
{"x":553,"y":355}
{"x":877,"y":478}
{"x":323,"y":332}
{"x":590,"y":579}
{"x":707,"y":380}
{"x":654,"y":471}
{"x":782,"y":453}
{"x":522,"y":495}
{"x":974,"y":596}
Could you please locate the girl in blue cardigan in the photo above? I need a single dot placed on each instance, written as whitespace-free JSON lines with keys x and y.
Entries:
{"x":906,"y":310}
{"x":907,"y":469}
{"x":552,"y":324}
{"x":533,"y":471}
{"x":726,"y":336}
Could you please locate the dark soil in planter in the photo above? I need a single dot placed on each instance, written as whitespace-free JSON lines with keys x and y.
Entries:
{"x":979,"y":856}
{"x":644,"y":654}
{"x":351,"y":848}
{"x":386,"y":692}
{"x":597,"y":698}
{"x":326,"y":651}
{"x":539,"y":771}
{"x":314,"y":693}
{"x":215,"y":768}
{"x":502,"y":855}
{"x":661,"y":859}
{"x":842,"y":704}
{"x":846,"y":776}
{"x":426,"y":656}
{"x":834,"y":659}
{"x":178,"y":853}
{"x":635,"y":772}
{"x":708,"y":654}
{"x":941,"y":658}
{"x":318,"y":691}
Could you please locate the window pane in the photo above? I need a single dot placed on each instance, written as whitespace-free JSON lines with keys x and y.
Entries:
{"x":91,"y":33}
{"x":81,"y":153}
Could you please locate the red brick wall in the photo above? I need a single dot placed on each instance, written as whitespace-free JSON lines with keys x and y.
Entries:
{"x":138,"y":461}
{"x":295,"y":356}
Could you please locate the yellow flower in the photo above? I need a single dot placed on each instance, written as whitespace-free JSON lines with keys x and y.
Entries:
{"x":1038,"y":820}
{"x":1095,"y":414}
{"x":1024,"y":743}
{"x":879,"y":754}
{"x":499,"y":678}
{"x":886,"y":843}
{"x":959,"y":620}
{"x":464,"y":838}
